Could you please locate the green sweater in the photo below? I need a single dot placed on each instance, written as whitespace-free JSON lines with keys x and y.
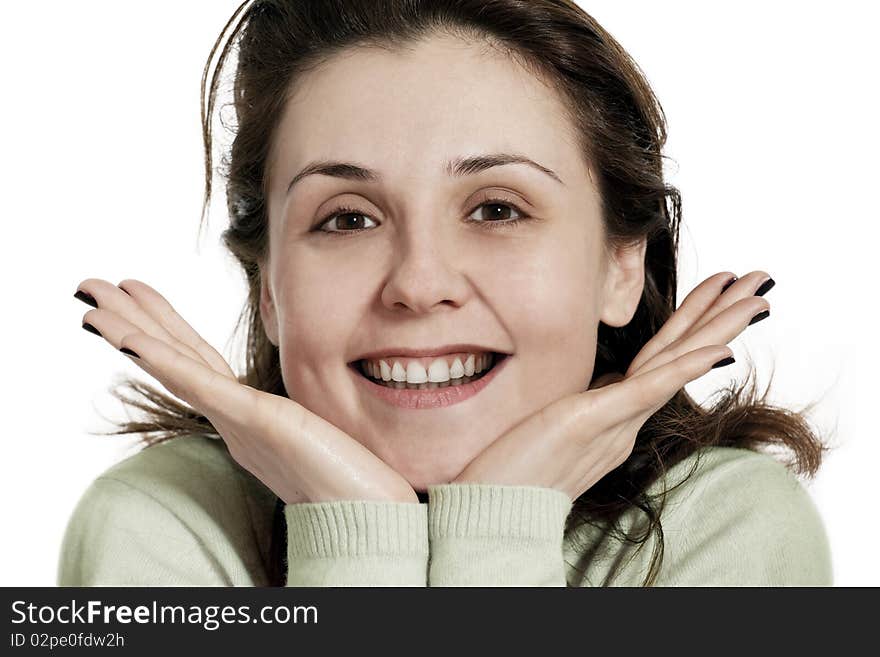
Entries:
{"x":184,"y":513}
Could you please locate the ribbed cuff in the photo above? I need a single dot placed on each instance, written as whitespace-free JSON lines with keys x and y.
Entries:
{"x":496,"y":535}
{"x":357,"y":543}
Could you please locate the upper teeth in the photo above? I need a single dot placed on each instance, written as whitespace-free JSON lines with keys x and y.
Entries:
{"x":439,"y":369}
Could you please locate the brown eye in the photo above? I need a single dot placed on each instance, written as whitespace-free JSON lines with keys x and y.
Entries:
{"x":497,"y":213}
{"x":347,"y":220}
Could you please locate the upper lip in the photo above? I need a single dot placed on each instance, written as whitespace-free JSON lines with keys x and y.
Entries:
{"x":429,"y":351}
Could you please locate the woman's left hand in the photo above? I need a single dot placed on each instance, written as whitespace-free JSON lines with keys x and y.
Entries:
{"x":574,"y":442}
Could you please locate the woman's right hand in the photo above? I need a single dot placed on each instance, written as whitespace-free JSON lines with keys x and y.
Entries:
{"x":297,"y":454}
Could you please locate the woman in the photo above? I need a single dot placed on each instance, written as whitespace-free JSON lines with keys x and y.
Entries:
{"x":438,"y":393}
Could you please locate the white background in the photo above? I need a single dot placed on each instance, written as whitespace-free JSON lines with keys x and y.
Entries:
{"x":772,"y":111}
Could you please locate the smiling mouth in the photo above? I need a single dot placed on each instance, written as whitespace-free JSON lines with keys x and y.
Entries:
{"x":496,"y":359}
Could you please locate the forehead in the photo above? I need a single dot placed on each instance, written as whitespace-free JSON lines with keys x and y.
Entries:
{"x":407,"y":112}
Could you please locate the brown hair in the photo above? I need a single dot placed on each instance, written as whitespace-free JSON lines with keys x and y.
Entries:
{"x":621,"y":128}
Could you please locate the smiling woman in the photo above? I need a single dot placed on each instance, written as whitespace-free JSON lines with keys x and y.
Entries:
{"x":462,"y":331}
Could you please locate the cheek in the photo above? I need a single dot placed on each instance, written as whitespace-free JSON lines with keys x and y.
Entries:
{"x":550,"y":306}
{"x":316,"y":321}
{"x":550,"y":295}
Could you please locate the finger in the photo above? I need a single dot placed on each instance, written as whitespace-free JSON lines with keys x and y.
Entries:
{"x":160,"y":308}
{"x":211,"y":393}
{"x":642,"y":395}
{"x":266,"y":425}
{"x":114,"y":329}
{"x":744,"y":288}
{"x":691,"y":309}
{"x":111,"y":298}
{"x":722,"y":329}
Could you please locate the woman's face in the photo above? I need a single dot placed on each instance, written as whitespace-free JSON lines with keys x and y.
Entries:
{"x":418,"y":263}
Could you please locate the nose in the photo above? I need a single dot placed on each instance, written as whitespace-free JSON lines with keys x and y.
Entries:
{"x":424,"y":274}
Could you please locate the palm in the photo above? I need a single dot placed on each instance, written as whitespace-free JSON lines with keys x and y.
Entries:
{"x":297,"y":454}
{"x":576,"y":440}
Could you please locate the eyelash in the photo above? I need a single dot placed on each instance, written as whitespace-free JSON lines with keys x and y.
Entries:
{"x":493,"y":225}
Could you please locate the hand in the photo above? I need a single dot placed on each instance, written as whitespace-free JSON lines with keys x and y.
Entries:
{"x":574,"y":442}
{"x":297,"y":454}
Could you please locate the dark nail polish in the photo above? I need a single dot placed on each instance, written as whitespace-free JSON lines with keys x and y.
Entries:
{"x":757,"y":318}
{"x":766,"y":287}
{"x":729,"y":283}
{"x":128,"y":351}
{"x":85,"y":297}
{"x":724,"y":361}
{"x":91,"y":329}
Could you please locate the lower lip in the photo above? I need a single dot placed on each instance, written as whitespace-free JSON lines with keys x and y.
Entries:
{"x":433,"y":398}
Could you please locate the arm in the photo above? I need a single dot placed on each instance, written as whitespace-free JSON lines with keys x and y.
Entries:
{"x":496,"y":535}
{"x":120,"y":535}
{"x":356,"y":543}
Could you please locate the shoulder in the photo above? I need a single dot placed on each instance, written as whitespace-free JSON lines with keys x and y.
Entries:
{"x":178,"y":510}
{"x":742,"y":518}
{"x":733,"y":517}
{"x":182,"y":468}
{"x":195,"y":477}
{"x":736,"y":479}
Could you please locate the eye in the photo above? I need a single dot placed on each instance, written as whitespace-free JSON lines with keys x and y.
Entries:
{"x":498,"y":214}
{"x":353,"y":219}
{"x":350,"y":217}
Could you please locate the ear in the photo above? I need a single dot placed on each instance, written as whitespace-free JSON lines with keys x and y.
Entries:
{"x":268,"y":314}
{"x":624,"y":282}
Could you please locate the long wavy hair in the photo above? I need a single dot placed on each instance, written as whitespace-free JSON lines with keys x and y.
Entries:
{"x":622,"y":130}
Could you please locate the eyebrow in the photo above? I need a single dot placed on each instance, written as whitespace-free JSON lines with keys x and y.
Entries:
{"x":458,"y":167}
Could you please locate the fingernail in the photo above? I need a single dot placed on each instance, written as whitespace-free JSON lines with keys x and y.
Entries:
{"x":768,"y":284}
{"x":729,"y":283}
{"x":91,"y":329}
{"x":128,"y":351}
{"x":757,"y":318}
{"x":86,"y":298}
{"x":724,"y":361}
